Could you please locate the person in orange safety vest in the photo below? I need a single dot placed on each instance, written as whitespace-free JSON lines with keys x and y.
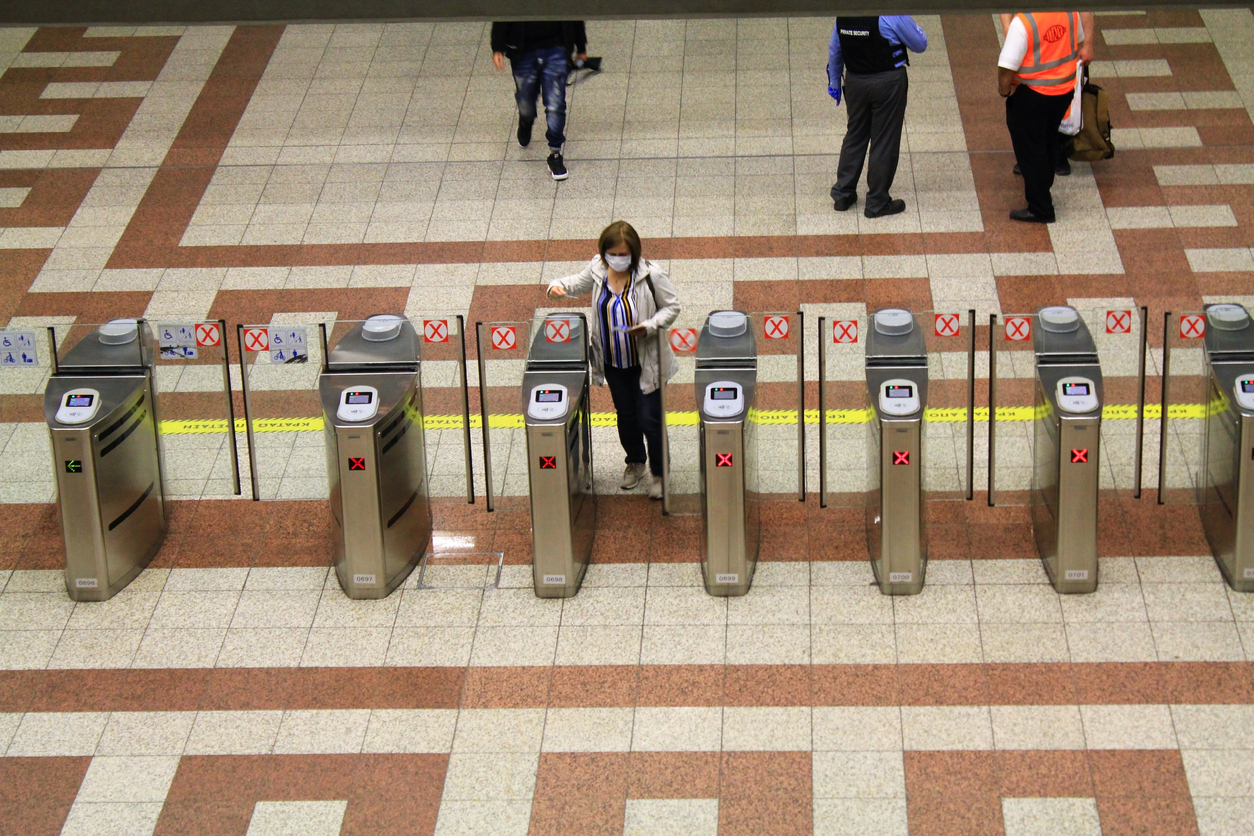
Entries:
{"x":1037,"y":76}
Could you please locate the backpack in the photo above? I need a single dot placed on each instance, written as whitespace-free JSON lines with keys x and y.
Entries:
{"x":1093,"y":140}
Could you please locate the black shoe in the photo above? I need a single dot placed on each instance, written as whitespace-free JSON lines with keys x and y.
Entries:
{"x":840,"y":204}
{"x":1017,"y":172}
{"x":894,"y":207}
{"x":524,"y":131}
{"x":1063,"y":169}
{"x":556,"y":167}
{"x":1028,"y":216}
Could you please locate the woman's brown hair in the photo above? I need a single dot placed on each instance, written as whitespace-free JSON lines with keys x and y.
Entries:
{"x":620,"y":232}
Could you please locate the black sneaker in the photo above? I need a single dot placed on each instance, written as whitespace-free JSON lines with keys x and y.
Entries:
{"x":556,"y":167}
{"x":1063,"y":169}
{"x":524,"y":131}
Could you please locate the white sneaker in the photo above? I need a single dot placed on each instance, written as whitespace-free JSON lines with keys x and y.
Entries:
{"x":632,"y":474}
{"x":655,"y":487}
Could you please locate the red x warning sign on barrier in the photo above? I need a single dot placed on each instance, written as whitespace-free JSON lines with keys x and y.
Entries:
{"x":548,"y":462}
{"x":435,"y":330}
{"x":1192,"y":326}
{"x":901,"y":457}
{"x":722,"y":459}
{"x":356,"y":463}
{"x":504,"y":337}
{"x":947,"y":325}
{"x":557,"y":330}
{"x":845,"y":330}
{"x":208,"y":334}
{"x":1018,"y":328}
{"x":1079,"y":456}
{"x":683,"y":339}
{"x":256,"y":339}
{"x":1118,"y":322}
{"x":776,"y":327}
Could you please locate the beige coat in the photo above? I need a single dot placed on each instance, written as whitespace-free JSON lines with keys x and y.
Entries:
{"x":655,"y":320}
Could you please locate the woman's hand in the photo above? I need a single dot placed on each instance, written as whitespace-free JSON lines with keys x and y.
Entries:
{"x":556,"y":292}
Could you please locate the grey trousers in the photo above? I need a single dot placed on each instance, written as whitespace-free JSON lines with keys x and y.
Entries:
{"x":877,"y":111}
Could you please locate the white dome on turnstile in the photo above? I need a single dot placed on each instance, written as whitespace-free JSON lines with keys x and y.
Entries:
{"x":381,"y":328}
{"x":1059,"y":319}
{"x":728,"y":323}
{"x":894,"y":322}
{"x":1228,"y":317}
{"x":119,"y":331}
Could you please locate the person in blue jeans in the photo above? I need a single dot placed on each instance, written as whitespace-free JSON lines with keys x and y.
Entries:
{"x":538,"y":52}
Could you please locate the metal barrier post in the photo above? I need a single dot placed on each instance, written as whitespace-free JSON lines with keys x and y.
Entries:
{"x":1140,"y":400}
{"x":483,"y":414}
{"x":470,"y":468}
{"x":248,"y":421}
{"x":801,"y":406}
{"x":1162,"y":419}
{"x":666,"y":441}
{"x":970,"y":403}
{"x":992,"y":407}
{"x":822,"y":369}
{"x":230,"y":404}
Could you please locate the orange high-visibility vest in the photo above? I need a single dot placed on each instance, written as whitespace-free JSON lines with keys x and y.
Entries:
{"x":1049,"y":67}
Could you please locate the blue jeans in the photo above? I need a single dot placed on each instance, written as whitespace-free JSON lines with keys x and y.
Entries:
{"x":542,"y":68}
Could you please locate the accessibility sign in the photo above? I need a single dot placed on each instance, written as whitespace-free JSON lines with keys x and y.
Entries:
{"x":17,"y":348}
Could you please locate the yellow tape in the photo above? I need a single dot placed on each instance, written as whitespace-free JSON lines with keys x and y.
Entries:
{"x":938,"y":415}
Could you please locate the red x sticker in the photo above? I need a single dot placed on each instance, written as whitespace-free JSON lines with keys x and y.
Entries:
{"x":548,"y":462}
{"x":901,"y":457}
{"x":723,"y":460}
{"x":356,"y":464}
{"x":1079,"y":456}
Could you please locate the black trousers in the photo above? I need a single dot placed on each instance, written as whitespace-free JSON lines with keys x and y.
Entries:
{"x":639,"y":417}
{"x":877,"y":110}
{"x":1033,"y":119}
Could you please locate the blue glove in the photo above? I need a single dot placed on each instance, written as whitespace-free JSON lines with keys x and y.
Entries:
{"x":834,"y":93}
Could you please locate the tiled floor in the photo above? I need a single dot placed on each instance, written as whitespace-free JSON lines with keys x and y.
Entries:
{"x":305,"y":174}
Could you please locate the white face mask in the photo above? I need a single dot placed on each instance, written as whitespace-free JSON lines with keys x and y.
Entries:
{"x":619,"y":263}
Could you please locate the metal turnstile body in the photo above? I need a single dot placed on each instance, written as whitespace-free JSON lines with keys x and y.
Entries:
{"x":558,"y":419}
{"x":101,"y":410}
{"x":725,"y":380}
{"x":371,"y":394}
{"x":1227,"y":490}
{"x":896,"y":380}
{"x":1066,"y":448}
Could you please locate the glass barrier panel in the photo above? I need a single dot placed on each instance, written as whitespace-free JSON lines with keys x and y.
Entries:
{"x":1191,"y":401}
{"x":1012,"y":395}
{"x":946,"y":459}
{"x":780,"y":436}
{"x":682,"y":427}
{"x":845,"y":420}
{"x":501,"y":350}
{"x":25,"y":447}
{"x":1119,"y":333}
{"x":447,"y":422}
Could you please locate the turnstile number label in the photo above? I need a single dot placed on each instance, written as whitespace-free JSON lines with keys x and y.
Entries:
{"x":733,"y":578}
{"x":355,"y":463}
{"x":365,"y":579}
{"x":548,"y":462}
{"x":1077,"y":574}
{"x":1249,"y":574}
{"x":86,"y":583}
{"x":901,"y":457}
{"x":900,"y":577}
{"x":1079,"y":456}
{"x":555,"y":580}
{"x":73,"y":466}
{"x":722,"y":459}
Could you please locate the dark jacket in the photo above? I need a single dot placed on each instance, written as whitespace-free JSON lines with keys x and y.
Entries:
{"x":515,"y":37}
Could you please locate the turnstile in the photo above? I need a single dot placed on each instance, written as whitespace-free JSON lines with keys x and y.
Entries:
{"x":725,"y":379}
{"x":101,"y":409}
{"x":896,"y":382}
{"x":1227,"y":490}
{"x":371,"y":393}
{"x":558,"y":418}
{"x":1066,"y":448}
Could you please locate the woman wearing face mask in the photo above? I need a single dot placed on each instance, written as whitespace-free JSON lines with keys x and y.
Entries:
{"x":632,"y":299}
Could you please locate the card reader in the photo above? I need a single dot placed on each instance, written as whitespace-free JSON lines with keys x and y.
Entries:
{"x":899,"y":397}
{"x":358,"y":403}
{"x":547,"y":402}
{"x":78,"y":406}
{"x":1244,"y":390}
{"x":1077,"y":394}
{"x":724,"y":399}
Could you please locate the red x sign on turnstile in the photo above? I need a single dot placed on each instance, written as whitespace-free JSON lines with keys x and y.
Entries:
{"x":256,"y":339}
{"x":1018,"y":328}
{"x":776,"y":327}
{"x":683,"y":339}
{"x":947,"y":325}
{"x":435,"y":331}
{"x":845,"y":330}
{"x":504,"y":337}
{"x":1079,"y":456}
{"x":548,"y":462}
{"x":557,"y":330}
{"x":723,"y":460}
{"x":1192,"y":326}
{"x":901,"y":457}
{"x":207,"y":334}
{"x":1118,"y":322}
{"x":356,"y":464}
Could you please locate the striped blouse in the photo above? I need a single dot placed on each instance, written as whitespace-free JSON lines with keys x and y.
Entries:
{"x":616,"y":316}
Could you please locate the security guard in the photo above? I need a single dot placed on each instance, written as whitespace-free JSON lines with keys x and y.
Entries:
{"x":875,"y":87}
{"x":1036,"y":74}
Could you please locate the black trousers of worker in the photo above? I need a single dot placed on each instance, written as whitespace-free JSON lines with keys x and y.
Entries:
{"x":877,"y":110}
{"x":1033,"y":119}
